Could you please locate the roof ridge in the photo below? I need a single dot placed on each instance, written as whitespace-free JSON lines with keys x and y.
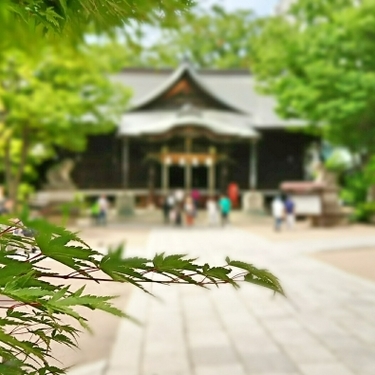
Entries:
{"x":199,"y":71}
{"x":173,"y":77}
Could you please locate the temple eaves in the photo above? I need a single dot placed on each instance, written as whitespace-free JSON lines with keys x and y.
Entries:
{"x":184,"y":68}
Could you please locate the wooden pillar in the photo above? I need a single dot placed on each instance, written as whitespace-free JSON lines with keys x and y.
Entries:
{"x":165,"y":177}
{"x":211,"y":172}
{"x":211,"y":179}
{"x":188,"y":165}
{"x":253,"y":173}
{"x":151,"y":183}
{"x":125,"y":163}
{"x":164,"y":170}
{"x":188,"y":176}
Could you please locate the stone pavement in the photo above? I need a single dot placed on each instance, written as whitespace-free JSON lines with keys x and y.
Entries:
{"x":325,"y":326}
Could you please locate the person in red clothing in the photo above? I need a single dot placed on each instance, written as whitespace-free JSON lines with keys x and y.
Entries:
{"x":195,"y":194}
{"x":233,"y":194}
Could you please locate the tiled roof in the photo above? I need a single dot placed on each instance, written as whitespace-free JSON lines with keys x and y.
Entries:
{"x":234,"y":88}
{"x":219,"y":122}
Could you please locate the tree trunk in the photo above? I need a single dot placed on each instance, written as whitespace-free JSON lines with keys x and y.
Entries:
{"x":371,"y":194}
{"x":365,"y":162}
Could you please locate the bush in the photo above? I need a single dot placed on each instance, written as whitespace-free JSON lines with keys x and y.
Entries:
{"x":364,"y":212}
{"x":355,"y":188}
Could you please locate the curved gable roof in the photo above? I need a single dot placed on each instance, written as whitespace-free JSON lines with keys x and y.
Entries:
{"x":184,"y":68}
{"x":156,"y":122}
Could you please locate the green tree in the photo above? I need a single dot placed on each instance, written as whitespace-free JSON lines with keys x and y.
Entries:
{"x":318,"y":61}
{"x":46,"y":99}
{"x":73,"y":16}
{"x":210,"y":38}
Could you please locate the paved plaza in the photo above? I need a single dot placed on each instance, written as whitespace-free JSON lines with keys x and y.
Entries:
{"x":325,"y":326}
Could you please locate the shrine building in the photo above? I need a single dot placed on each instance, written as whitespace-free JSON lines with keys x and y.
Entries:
{"x":188,"y":128}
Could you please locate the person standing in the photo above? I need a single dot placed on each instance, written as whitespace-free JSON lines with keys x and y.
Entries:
{"x":177,"y":215}
{"x":166,"y":209}
{"x":277,"y":212}
{"x":234,"y":194}
{"x":179,"y":196}
{"x":189,"y":209}
{"x":290,"y":212}
{"x":103,"y":206}
{"x":195,"y":194}
{"x":212,"y":211}
{"x":171,"y":201}
{"x":94,"y":209}
{"x":225,"y":207}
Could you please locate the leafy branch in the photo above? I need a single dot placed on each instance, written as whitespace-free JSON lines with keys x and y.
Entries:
{"x":60,"y":15}
{"x":35,"y":304}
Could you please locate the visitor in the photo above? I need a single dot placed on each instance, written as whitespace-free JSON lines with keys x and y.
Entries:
{"x":225,"y":207}
{"x":177,"y":215}
{"x":94,"y":211}
{"x":103,"y":206}
{"x":195,"y":194}
{"x":277,"y":208}
{"x":289,"y":212}
{"x":171,"y":201}
{"x":234,"y":194}
{"x":212,"y":211}
{"x":189,"y":209}
{"x":166,"y":209}
{"x":179,"y":197}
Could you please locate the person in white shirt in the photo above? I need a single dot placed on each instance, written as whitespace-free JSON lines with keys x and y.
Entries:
{"x":179,"y":196}
{"x":103,"y":209}
{"x":171,"y":200}
{"x":277,"y":212}
{"x":212,"y":211}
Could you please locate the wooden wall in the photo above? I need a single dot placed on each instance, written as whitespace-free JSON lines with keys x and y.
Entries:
{"x":99,"y":167}
{"x":280,"y":158}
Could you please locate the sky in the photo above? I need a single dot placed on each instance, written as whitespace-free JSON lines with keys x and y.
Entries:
{"x":260,"y":7}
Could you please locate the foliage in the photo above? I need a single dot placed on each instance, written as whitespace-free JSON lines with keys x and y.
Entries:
{"x":55,"y":96}
{"x":318,"y":61}
{"x":337,"y":162}
{"x":210,"y":38}
{"x":36,"y":300}
{"x":48,"y":97}
{"x":364,"y":212}
{"x":73,"y":16}
{"x":355,"y":188}
{"x":358,"y":191}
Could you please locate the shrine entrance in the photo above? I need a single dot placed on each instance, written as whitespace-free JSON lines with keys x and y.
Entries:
{"x":190,"y":157}
{"x":200,"y":177}
{"x":187,"y":170}
{"x":176,"y":176}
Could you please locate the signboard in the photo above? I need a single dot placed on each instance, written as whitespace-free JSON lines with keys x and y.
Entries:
{"x":307,"y":204}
